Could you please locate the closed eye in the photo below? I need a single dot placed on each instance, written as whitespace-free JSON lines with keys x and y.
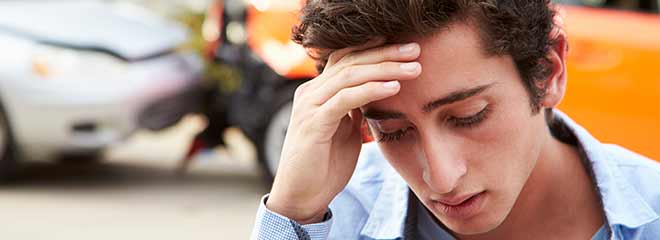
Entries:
{"x":393,"y":136}
{"x":471,"y":121}
{"x":459,"y":122}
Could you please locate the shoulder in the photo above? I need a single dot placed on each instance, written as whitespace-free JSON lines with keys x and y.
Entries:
{"x":368,"y":177}
{"x":627,"y":158}
{"x":371,"y":166}
{"x":643,"y":175}
{"x":641,"y":172}
{"x":352,"y":207}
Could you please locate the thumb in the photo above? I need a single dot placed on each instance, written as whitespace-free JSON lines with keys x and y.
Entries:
{"x":356,"y":118}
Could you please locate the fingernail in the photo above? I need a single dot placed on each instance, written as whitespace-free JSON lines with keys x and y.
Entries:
{"x":408,"y":47}
{"x":411,"y":66}
{"x":391,"y":84}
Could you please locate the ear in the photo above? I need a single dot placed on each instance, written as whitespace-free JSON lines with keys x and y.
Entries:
{"x":556,"y":82}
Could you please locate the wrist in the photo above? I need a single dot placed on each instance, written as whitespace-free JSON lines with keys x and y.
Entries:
{"x":301,"y":215}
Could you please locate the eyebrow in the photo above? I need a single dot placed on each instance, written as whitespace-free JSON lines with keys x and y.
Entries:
{"x":375,"y":114}
{"x":454,"y":97}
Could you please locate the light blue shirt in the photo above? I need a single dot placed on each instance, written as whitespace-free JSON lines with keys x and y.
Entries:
{"x":374,"y":204}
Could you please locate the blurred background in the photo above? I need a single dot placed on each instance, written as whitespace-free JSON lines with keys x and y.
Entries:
{"x":164,"y":119}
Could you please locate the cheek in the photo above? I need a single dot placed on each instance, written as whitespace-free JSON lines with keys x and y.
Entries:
{"x":507,"y":148}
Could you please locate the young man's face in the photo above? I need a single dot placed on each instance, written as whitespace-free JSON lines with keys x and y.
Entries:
{"x":463,"y":134}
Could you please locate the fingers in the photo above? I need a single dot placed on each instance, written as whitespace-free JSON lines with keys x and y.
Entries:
{"x":355,"y":77}
{"x":351,"y":98}
{"x":344,"y":58}
{"x":359,"y":74}
{"x":339,"y":54}
{"x":356,"y":117}
{"x":394,"y":53}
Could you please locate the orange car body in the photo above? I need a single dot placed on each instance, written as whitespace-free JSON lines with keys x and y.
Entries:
{"x":614,"y":76}
{"x":613,"y":68}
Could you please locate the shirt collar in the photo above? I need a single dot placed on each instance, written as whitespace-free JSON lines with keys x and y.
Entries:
{"x":622,"y":204}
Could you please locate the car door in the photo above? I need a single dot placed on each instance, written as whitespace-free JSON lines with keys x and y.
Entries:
{"x":614,"y":70}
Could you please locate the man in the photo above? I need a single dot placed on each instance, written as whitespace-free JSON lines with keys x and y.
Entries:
{"x":460,"y":96}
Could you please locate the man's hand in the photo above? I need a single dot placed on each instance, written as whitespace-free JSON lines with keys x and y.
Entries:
{"x":323,"y":139}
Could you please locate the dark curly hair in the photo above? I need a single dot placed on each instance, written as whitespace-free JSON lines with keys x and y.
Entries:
{"x":519,"y":28}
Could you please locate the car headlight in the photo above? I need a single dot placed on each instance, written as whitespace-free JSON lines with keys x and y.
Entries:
{"x":64,"y":63}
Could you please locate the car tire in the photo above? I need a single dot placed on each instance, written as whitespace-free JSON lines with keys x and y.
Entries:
{"x":8,"y":161}
{"x":271,"y":139}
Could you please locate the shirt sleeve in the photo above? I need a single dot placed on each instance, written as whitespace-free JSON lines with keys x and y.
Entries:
{"x":271,"y":225}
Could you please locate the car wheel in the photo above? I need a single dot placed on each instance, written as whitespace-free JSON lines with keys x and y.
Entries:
{"x":269,"y":147}
{"x":7,"y":157}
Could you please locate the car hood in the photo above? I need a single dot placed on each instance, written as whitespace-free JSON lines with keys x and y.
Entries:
{"x":123,"y":30}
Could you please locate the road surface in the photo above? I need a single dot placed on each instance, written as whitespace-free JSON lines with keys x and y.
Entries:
{"x":134,"y":194}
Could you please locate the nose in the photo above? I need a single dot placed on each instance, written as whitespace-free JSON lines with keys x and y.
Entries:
{"x":443,"y":165}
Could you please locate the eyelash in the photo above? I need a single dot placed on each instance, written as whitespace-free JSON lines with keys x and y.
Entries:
{"x":471,"y":121}
{"x":468,"y":122}
{"x":395,"y":136}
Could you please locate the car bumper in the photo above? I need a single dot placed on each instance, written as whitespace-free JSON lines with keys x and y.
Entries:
{"x":168,"y":110}
{"x":47,"y":121}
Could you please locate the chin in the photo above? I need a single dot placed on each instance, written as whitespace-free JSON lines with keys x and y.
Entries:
{"x":480,"y":224}
{"x":472,"y":227}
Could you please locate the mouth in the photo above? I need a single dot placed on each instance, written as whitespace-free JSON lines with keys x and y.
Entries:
{"x":462,"y":207}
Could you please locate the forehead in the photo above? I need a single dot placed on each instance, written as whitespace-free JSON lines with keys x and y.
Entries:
{"x":452,"y":60}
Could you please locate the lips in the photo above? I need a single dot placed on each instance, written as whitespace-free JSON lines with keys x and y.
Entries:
{"x":455,"y":201}
{"x":461,"y":207}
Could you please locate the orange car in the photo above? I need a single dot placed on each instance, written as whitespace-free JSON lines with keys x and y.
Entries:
{"x":614,"y":73}
{"x":613,"y":68}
